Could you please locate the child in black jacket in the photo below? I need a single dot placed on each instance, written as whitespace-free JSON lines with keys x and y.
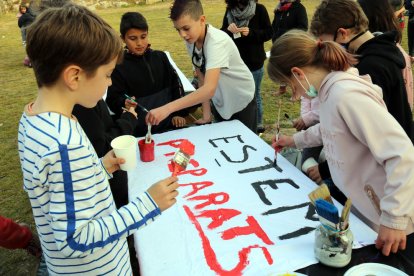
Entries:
{"x":146,"y":75}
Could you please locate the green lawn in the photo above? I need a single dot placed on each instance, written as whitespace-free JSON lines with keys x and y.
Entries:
{"x":18,"y":87}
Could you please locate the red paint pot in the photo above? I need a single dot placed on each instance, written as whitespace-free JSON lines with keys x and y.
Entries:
{"x":146,"y":150}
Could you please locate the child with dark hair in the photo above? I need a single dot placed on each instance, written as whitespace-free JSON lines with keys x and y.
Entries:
{"x":248,"y":24}
{"x":24,"y":20}
{"x":73,"y":52}
{"x":145,"y":75}
{"x":370,"y":156}
{"x":382,"y":19}
{"x":343,"y":21}
{"x":288,"y":15}
{"x":225,"y":78}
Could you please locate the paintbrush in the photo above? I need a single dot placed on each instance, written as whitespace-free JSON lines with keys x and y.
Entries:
{"x":345,"y":214}
{"x":148,"y":138}
{"x":182,"y":157}
{"x":322,"y":192}
{"x":328,"y":214}
{"x":278,"y":148}
{"x":134,"y":101}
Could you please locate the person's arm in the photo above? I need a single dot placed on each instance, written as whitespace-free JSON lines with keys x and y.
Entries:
{"x":202,"y":94}
{"x":176,"y":87}
{"x":302,"y":19}
{"x":309,"y":111}
{"x":373,"y":126}
{"x":80,"y":201}
{"x":264,"y":32}
{"x":311,"y":137}
{"x":115,"y":98}
{"x":100,"y":128}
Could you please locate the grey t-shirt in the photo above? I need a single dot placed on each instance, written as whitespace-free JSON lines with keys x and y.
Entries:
{"x":235,"y":89}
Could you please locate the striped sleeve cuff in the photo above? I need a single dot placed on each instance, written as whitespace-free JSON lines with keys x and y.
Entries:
{"x":108,"y":175}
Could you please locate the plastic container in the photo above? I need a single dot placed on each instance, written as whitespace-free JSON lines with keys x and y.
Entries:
{"x":333,"y":248}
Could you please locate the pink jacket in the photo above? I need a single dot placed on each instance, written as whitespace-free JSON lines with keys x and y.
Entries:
{"x":309,"y":110}
{"x":370,"y":157}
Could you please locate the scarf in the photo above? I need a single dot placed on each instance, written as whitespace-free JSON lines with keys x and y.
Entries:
{"x":242,"y":17}
{"x":284,"y":5}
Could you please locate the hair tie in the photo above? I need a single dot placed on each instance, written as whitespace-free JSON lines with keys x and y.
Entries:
{"x":320,"y":44}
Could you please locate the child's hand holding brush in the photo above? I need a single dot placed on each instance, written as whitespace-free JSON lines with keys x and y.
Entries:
{"x":283,"y":141}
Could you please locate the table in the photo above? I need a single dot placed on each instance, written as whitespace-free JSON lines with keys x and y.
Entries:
{"x":236,"y":214}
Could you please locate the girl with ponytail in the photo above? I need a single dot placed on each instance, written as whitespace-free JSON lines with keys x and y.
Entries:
{"x":370,"y":156}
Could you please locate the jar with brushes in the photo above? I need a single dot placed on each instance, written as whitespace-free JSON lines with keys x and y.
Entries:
{"x":333,"y":247}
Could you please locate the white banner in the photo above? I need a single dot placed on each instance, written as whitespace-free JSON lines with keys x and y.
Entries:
{"x":236,"y":213}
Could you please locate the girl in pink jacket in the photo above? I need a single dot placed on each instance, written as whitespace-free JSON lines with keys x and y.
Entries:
{"x":370,"y":157}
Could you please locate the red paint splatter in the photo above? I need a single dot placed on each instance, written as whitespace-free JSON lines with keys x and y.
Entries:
{"x":211,"y":199}
{"x":173,"y":143}
{"x":187,"y":147}
{"x":197,"y":186}
{"x":252,"y":228}
{"x":218,"y":216}
{"x":211,"y":257}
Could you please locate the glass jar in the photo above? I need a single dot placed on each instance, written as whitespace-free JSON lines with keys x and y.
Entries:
{"x":333,"y":248}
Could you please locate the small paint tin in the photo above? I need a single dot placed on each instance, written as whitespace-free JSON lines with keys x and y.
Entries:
{"x":146,"y":150}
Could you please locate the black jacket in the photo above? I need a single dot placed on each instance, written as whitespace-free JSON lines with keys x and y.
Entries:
{"x":294,"y":18}
{"x":25,"y":20}
{"x":101,"y":129}
{"x":383,"y":61}
{"x":152,"y":80}
{"x":251,"y":47}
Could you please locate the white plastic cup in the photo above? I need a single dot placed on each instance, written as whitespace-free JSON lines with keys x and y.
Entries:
{"x":310,"y":162}
{"x":125,"y":147}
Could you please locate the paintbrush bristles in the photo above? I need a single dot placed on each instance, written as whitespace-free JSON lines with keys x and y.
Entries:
{"x":322,"y":192}
{"x":345,"y":214}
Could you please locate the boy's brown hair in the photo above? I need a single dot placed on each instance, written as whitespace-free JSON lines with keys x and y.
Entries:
{"x":331,"y":15}
{"x":179,"y":8}
{"x":70,"y":35}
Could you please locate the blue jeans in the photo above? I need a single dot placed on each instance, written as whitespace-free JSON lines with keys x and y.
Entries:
{"x":258,"y":77}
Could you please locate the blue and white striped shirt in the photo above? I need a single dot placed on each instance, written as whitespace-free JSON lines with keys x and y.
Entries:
{"x":80,"y":229}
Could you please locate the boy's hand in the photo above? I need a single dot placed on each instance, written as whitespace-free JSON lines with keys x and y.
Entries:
{"x":178,"y":121}
{"x":202,"y":121}
{"x":111,"y":162}
{"x":130,"y":104}
{"x":156,"y":115}
{"x":284,"y":141}
{"x":299,"y":124}
{"x":164,"y":192}
{"x":132,"y":111}
{"x":313,"y":173}
{"x":390,"y":240}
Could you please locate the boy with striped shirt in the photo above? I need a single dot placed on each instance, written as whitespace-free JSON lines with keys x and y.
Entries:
{"x":73,"y":53}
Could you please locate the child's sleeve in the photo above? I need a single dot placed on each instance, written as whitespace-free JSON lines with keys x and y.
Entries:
{"x":375,"y":127}
{"x":309,"y":110}
{"x":83,"y":214}
{"x":115,"y":98}
{"x":311,"y":137}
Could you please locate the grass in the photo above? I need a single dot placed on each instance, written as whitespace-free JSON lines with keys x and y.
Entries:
{"x":18,"y":87}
